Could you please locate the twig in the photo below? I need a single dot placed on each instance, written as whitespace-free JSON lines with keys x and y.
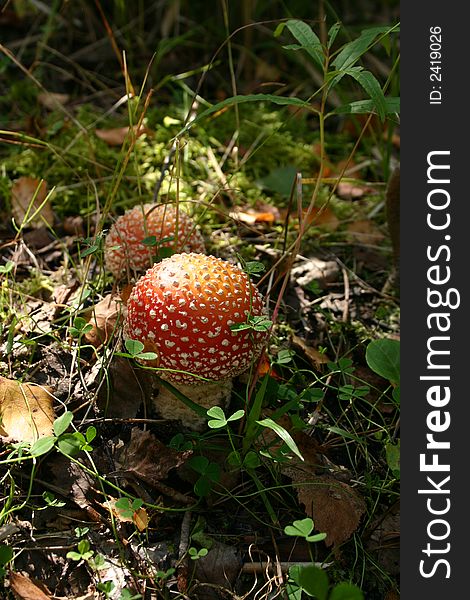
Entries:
{"x":345,"y":316}
{"x":183,"y":566}
{"x":263,"y":566}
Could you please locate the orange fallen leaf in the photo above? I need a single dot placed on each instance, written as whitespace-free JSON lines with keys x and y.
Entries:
{"x":23,"y":207}
{"x":116,"y":136}
{"x":25,"y":589}
{"x":250,"y":216}
{"x":26,"y":410}
{"x":105,"y":318}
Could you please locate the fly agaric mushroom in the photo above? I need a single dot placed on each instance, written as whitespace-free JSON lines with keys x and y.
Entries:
{"x":172,"y":228}
{"x":183,"y":309}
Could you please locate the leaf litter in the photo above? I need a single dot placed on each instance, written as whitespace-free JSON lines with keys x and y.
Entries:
{"x":26,"y":410}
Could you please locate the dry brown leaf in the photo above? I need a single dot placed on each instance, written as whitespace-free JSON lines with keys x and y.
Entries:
{"x":25,"y":589}
{"x":316,"y":358}
{"x":26,"y":410}
{"x":146,"y":458}
{"x":335,"y":507}
{"x":52,"y":101}
{"x":105,"y":317}
{"x":364,"y":231}
{"x":22,"y":207}
{"x":127,"y":388}
{"x":220,"y":567}
{"x":116,"y":137}
{"x":139,"y":517}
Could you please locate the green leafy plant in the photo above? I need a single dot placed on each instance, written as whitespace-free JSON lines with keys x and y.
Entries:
{"x":135,"y":351}
{"x":6,"y":556}
{"x":313,"y":581}
{"x":80,"y":327}
{"x":83,"y":551}
{"x":256,"y":323}
{"x":304,"y":528}
{"x":209,"y":474}
{"x":218,"y":418}
{"x":196,"y":554}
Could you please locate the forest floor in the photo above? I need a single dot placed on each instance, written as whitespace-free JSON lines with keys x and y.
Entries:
{"x":101,"y":497}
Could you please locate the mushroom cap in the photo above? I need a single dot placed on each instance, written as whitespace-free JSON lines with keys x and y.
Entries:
{"x":182,"y":309}
{"x":124,"y":248}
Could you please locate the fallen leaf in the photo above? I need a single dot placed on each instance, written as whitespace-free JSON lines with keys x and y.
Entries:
{"x":364,"y":231}
{"x":116,"y":136}
{"x":220,"y":567}
{"x":147,"y":458}
{"x":316,"y":358}
{"x":126,"y":389}
{"x":335,"y":507}
{"x":25,"y":589}
{"x":26,"y":410}
{"x":105,"y":318}
{"x":22,"y":206}
{"x":52,"y":101}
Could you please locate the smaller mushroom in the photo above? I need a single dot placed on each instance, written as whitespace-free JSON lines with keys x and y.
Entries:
{"x":184,"y":309}
{"x":172,"y":228}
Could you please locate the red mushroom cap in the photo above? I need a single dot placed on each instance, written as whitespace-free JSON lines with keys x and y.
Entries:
{"x":124,"y":248}
{"x":182,"y":309}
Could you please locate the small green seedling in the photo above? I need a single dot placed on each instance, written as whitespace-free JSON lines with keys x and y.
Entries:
{"x":106,"y":587}
{"x":219,"y":419}
{"x":50,"y":499}
{"x":304,"y":528}
{"x":127,"y":508}
{"x":254,"y":268}
{"x":344,"y":366}
{"x":256,"y":323}
{"x":284,"y":357}
{"x":197,"y":554}
{"x":7,"y":267}
{"x":80,"y":327}
{"x":209,"y":473}
{"x":83,"y":551}
{"x":94,"y":245}
{"x":135,"y":350}
{"x":349,"y":392}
